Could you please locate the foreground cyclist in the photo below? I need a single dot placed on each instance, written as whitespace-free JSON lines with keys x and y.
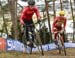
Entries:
{"x":59,"y":25}
{"x":26,"y":18}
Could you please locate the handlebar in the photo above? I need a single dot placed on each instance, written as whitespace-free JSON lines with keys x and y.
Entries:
{"x":56,"y":32}
{"x":33,"y":24}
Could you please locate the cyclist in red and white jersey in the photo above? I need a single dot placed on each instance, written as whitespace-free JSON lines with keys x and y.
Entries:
{"x":59,"y":25}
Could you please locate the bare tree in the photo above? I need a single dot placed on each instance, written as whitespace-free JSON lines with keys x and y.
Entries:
{"x":13,"y":10}
{"x":46,"y":4}
{"x":54,"y":8}
{"x":61,"y":5}
{"x":72,"y":18}
{"x":74,"y":2}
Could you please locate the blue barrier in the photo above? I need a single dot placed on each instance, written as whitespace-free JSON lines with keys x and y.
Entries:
{"x":18,"y":46}
{"x":70,"y":45}
{"x":52,"y":46}
{"x":46,"y":47}
{"x":10,"y":44}
{"x":15,"y":45}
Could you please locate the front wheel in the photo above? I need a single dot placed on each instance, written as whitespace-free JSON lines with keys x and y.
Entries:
{"x":61,"y":46}
{"x":64,"y":50}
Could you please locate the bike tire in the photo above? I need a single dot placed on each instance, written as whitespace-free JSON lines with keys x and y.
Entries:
{"x":40,"y":42}
{"x":60,"y":46}
{"x":24,"y":40}
{"x":64,"y":51}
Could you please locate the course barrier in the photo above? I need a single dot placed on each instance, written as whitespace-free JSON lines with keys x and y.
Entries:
{"x":2,"y":44}
{"x":15,"y":45}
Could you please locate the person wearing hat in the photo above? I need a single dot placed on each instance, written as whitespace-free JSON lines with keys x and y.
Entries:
{"x":59,"y":25}
{"x":26,"y":18}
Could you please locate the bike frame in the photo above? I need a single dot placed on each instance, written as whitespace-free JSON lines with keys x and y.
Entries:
{"x":37,"y":38}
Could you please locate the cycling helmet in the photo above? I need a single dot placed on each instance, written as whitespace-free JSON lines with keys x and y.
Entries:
{"x":31,"y":2}
{"x":62,"y":13}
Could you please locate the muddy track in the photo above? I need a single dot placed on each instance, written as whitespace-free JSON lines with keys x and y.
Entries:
{"x":48,"y":54}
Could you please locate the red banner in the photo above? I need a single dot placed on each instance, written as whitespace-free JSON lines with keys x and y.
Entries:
{"x":2,"y":44}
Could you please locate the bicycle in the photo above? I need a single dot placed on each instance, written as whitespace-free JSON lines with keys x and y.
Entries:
{"x":59,"y":44}
{"x":30,"y":39}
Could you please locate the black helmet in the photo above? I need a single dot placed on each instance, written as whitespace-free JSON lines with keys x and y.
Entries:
{"x":31,"y":2}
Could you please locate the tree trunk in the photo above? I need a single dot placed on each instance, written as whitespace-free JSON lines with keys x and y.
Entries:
{"x":74,"y":2}
{"x":73,"y":19}
{"x":13,"y":10}
{"x":46,"y":4}
{"x":61,"y":5}
{"x":54,"y":8}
